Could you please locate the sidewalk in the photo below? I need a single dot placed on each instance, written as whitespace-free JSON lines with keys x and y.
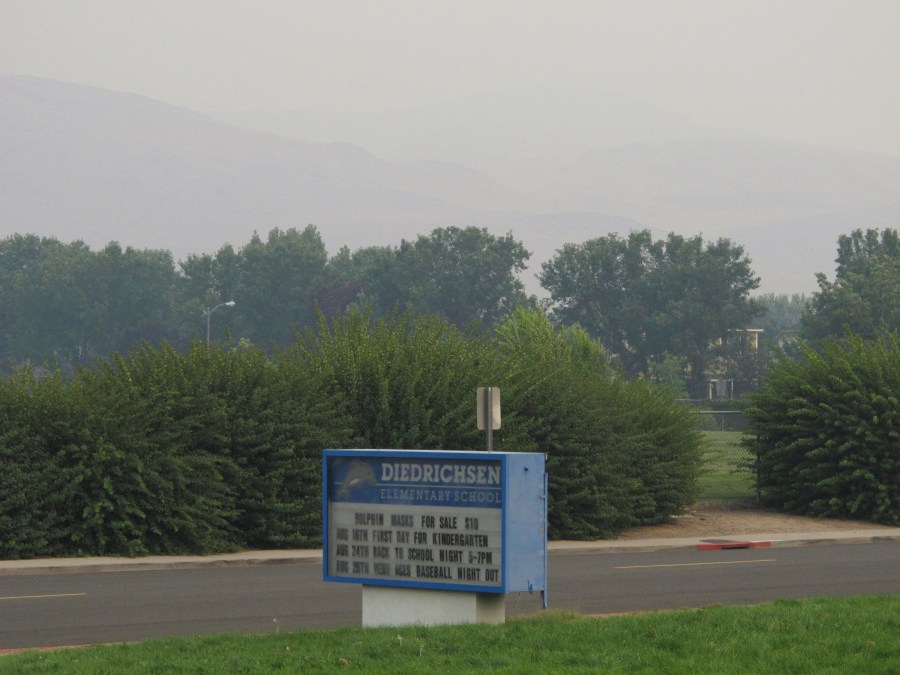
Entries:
{"x":314,"y":556}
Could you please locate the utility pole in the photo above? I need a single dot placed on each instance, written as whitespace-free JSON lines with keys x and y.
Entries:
{"x":208,"y":312}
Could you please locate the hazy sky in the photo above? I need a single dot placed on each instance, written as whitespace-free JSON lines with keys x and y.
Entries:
{"x":823,"y":71}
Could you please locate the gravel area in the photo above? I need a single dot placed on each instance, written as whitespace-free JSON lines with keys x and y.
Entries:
{"x":722,"y":518}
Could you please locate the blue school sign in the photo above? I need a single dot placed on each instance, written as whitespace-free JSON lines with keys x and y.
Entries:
{"x":465,"y":521}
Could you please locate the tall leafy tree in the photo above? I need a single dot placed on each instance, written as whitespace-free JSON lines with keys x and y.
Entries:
{"x":595,"y":284}
{"x":206,"y":281}
{"x":783,"y":313}
{"x":278,"y":284}
{"x":275,"y":282}
{"x":207,"y":278}
{"x":65,"y":304}
{"x":42,"y":298}
{"x":129,"y":297}
{"x":647,"y":300}
{"x":464,"y":275}
{"x":367,"y":277}
{"x":780,"y":323}
{"x":864,"y":297}
{"x":695,"y":296}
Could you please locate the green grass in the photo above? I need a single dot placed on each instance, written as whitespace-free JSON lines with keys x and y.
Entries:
{"x":826,"y":635}
{"x":724,"y":476}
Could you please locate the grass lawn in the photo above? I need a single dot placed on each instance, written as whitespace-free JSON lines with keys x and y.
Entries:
{"x":826,"y":635}
{"x":723,"y":475}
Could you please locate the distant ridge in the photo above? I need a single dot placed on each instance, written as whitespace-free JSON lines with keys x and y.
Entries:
{"x":98,"y":165}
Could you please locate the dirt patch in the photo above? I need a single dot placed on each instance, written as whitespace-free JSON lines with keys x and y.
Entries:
{"x":721,"y":518}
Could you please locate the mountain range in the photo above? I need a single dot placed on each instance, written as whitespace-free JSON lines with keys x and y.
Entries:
{"x":552,"y":167}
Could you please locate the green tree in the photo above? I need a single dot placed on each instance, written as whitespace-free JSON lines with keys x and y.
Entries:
{"x":865,"y":296}
{"x":42,"y":299}
{"x":278,"y":285}
{"x":129,"y":297}
{"x":649,"y":300}
{"x":594,"y":285}
{"x":695,"y":294}
{"x":368,"y":277}
{"x":65,"y":304}
{"x":781,"y":319}
{"x":782,"y":313}
{"x":780,"y":324}
{"x":670,"y":373}
{"x":206,"y":281}
{"x":464,"y":275}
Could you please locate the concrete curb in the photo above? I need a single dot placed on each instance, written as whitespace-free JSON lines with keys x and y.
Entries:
{"x":780,"y":540}
{"x":314,"y":556}
{"x":113,"y":564}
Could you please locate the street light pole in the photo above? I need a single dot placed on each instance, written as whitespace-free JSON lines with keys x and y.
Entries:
{"x":208,"y":312}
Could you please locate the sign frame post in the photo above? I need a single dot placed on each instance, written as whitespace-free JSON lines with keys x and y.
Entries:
{"x":488,"y":412}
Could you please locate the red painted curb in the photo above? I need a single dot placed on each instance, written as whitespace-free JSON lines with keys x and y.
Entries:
{"x":724,"y":544}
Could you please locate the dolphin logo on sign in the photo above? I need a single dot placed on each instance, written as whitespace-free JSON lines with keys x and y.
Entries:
{"x":359,"y":475}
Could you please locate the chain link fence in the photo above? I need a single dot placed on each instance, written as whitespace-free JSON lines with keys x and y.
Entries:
{"x":729,"y":469}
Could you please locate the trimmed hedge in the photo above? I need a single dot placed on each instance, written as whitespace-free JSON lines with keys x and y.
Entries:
{"x":164,"y":453}
{"x":826,"y":427}
{"x":161,"y":452}
{"x":618,"y":453}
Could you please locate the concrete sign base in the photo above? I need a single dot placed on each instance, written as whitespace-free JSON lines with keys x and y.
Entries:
{"x":388,"y":606}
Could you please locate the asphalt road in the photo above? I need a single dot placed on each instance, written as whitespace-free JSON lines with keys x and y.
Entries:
{"x":96,"y":607}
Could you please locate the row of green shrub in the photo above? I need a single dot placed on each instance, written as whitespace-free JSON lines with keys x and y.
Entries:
{"x":825,"y":428}
{"x":161,"y":452}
